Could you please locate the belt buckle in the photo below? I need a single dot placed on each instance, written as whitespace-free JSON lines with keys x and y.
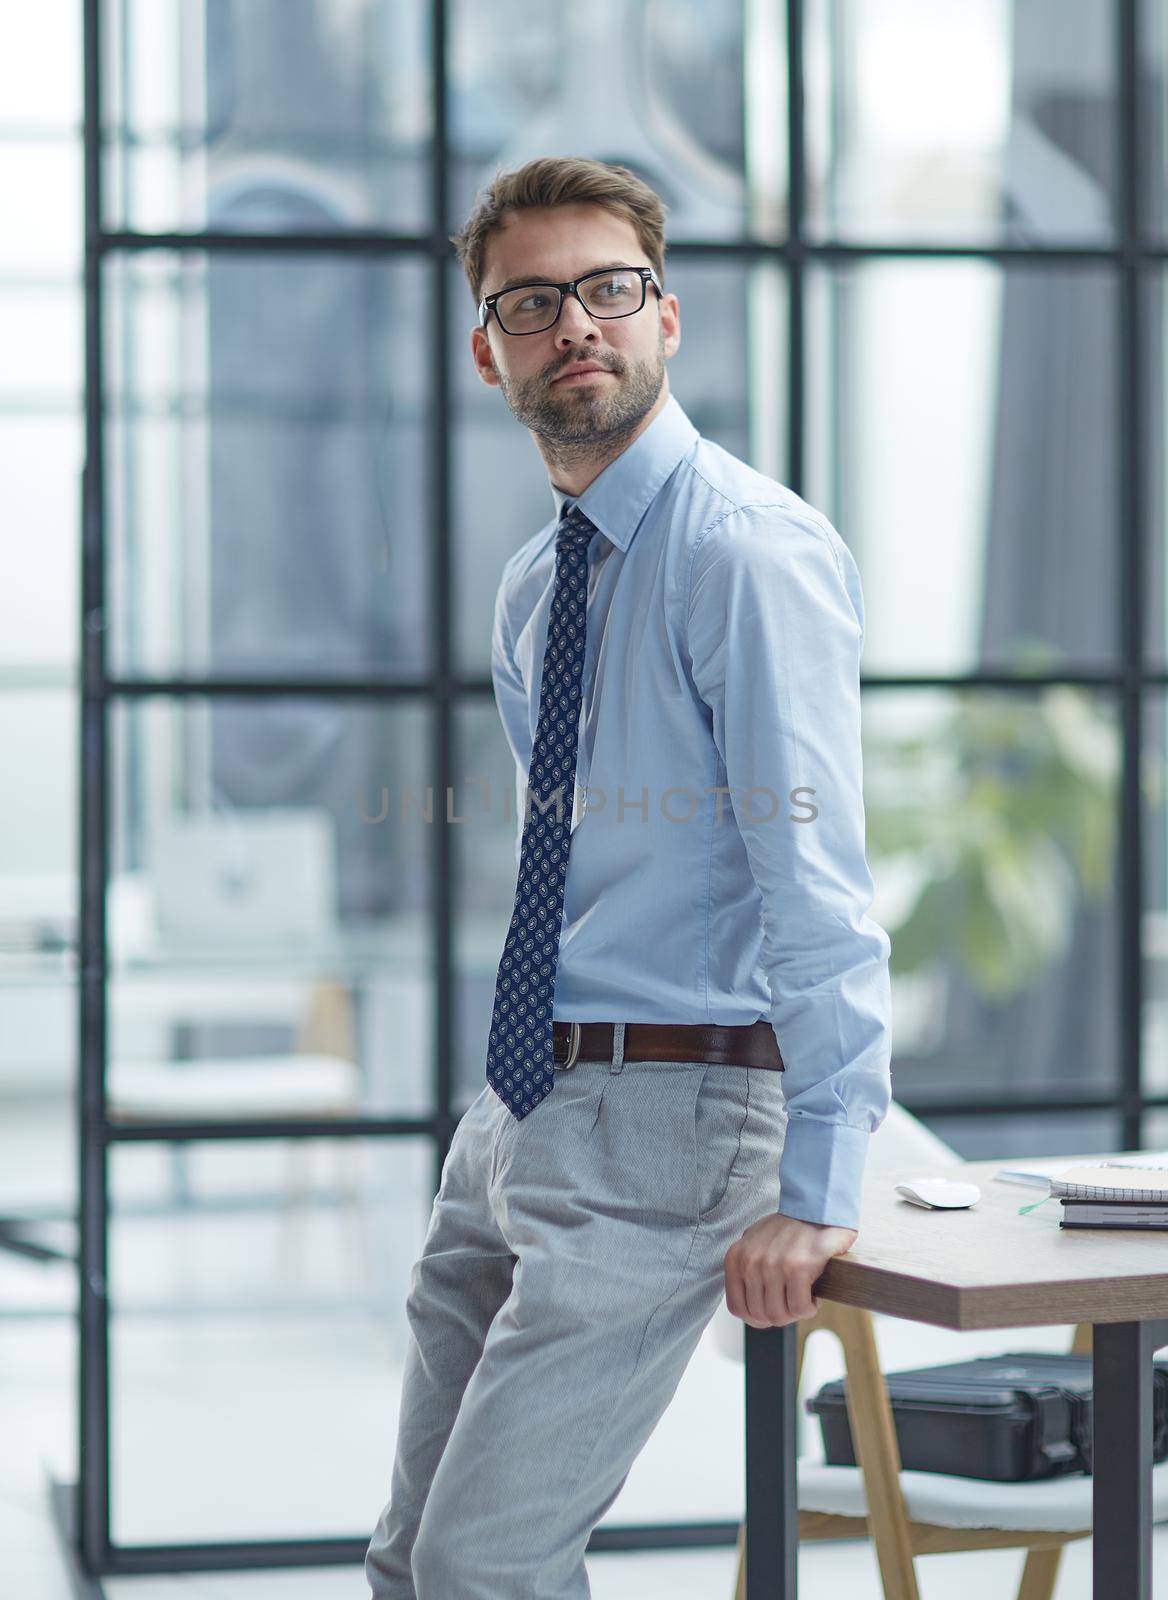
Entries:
{"x":573,"y":1048}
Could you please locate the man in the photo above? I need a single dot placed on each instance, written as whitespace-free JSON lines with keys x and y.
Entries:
{"x":686,"y":635}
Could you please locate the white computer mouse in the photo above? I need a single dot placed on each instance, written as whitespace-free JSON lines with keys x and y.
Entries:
{"x":936,"y":1192}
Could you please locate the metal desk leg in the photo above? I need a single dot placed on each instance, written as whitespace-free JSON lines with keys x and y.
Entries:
{"x":1122,"y":1460}
{"x":772,"y":1514}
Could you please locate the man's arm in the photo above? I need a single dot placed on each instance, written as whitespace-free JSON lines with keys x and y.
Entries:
{"x":511,"y":699}
{"x":775,"y":630}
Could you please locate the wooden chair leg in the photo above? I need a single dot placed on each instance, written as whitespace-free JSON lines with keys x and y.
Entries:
{"x":1040,"y":1574}
{"x":740,"y":1574}
{"x":877,"y":1449}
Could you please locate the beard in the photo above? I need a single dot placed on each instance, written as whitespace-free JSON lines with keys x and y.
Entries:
{"x":587,"y":414}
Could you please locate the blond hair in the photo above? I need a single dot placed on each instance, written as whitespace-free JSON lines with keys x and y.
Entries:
{"x":561,"y":181}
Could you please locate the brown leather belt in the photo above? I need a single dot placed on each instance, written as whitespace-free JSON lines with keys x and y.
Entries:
{"x":753,"y":1045}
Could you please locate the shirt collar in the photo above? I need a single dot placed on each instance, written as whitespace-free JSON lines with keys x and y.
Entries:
{"x":618,"y":497}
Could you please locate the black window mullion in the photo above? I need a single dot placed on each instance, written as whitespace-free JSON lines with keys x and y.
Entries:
{"x":795,"y":247}
{"x":1132,"y":537}
{"x":92,"y":1505}
{"x":445,"y":1030}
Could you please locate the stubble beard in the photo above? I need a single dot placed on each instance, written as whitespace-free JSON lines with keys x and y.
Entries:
{"x":572,"y":426}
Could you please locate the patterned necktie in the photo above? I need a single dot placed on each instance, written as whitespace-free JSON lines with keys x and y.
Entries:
{"x":519,"y":1056}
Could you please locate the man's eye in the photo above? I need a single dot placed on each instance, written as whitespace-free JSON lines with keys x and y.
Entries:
{"x":532,"y":302}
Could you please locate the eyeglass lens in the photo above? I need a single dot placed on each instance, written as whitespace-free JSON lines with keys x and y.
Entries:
{"x":535,"y":306}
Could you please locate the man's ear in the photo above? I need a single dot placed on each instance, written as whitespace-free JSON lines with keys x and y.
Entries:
{"x":671,"y":316}
{"x":483,"y":357}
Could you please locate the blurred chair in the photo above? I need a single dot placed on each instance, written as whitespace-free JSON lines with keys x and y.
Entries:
{"x":224,"y":884}
{"x":318,"y":1078}
{"x":907,"y":1513}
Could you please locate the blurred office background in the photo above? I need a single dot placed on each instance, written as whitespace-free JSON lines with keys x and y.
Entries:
{"x":939,"y":312}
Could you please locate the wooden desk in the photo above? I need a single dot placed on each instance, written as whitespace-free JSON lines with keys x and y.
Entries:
{"x":986,"y":1267}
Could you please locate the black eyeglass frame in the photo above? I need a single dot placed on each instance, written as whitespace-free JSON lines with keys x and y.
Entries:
{"x":646,"y":274}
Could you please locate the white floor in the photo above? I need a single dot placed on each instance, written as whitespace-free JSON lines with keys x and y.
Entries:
{"x":37,"y":1427}
{"x":254,"y":1376}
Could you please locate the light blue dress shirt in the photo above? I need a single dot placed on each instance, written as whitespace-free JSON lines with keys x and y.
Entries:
{"x":717,"y":870}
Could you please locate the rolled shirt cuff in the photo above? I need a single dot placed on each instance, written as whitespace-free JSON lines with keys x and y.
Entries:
{"x":821,"y":1171}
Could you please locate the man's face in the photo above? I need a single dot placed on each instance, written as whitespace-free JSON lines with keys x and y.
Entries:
{"x":556,"y":244}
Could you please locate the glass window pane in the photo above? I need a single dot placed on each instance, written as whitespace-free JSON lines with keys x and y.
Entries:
{"x":42,"y":337}
{"x":268,"y":426}
{"x":1156,"y":1131}
{"x":729,"y":374}
{"x":40,"y":462}
{"x":691,"y":97}
{"x":992,"y":821}
{"x":730,"y":370}
{"x":40,"y":468}
{"x":38,"y":798}
{"x":1069,"y":1133}
{"x":41,"y":192}
{"x":960,"y":123}
{"x":38,"y":1149}
{"x":961,"y":432}
{"x":269,"y":910}
{"x":274,"y":115}
{"x":486,"y":871}
{"x":257,"y":1297}
{"x":40,"y":72}
{"x":1154,"y":930}
{"x":1154,"y":309}
{"x":1154,"y":133}
{"x":38,"y":996}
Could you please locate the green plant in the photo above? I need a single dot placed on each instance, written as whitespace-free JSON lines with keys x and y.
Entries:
{"x":1004,"y":814}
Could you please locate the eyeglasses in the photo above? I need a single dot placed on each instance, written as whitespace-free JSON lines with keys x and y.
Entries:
{"x":535,"y":307}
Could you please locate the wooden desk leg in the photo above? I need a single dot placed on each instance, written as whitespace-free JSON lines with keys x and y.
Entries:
{"x":1122,"y":1460}
{"x":772,"y":1513}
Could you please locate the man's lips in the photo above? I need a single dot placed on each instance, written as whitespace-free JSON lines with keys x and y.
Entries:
{"x":578,"y":374}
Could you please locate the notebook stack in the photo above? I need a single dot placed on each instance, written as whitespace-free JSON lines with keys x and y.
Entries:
{"x":1113,"y":1196}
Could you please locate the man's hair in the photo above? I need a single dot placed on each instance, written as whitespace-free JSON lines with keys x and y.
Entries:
{"x":561,"y":181}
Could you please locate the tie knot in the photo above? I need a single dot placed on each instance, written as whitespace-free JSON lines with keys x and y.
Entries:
{"x":575,"y":529}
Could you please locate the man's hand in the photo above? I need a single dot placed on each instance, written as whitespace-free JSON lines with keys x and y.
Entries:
{"x":770,"y":1269}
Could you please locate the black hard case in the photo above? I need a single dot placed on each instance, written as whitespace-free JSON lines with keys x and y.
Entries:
{"x":1010,"y":1418}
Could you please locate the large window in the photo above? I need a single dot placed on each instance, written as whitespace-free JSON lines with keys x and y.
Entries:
{"x":256,"y":835}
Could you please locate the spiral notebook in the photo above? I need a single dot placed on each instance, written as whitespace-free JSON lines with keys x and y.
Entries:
{"x":1112,"y":1183}
{"x":1154,"y":1161}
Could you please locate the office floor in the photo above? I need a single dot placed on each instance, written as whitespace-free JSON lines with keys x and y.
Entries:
{"x":279,"y":1423}
{"x":36,"y":1385}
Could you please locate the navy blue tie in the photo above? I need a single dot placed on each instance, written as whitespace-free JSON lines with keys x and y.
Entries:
{"x":519,"y":1055}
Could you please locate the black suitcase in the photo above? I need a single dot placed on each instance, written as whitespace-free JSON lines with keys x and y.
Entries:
{"x":1010,"y":1418}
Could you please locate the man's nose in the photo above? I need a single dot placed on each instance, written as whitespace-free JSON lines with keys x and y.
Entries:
{"x":574,"y":323}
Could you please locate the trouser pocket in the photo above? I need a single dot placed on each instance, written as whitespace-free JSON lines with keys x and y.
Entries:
{"x":720,"y":1113}
{"x":643,"y":1144}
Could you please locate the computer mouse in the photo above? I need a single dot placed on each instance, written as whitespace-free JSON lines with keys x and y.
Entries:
{"x":938,"y":1192}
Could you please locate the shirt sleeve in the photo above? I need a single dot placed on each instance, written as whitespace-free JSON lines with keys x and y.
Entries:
{"x":776,"y":624}
{"x":511,"y":700}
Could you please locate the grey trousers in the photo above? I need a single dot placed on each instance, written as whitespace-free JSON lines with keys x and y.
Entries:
{"x":572,"y":1260}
